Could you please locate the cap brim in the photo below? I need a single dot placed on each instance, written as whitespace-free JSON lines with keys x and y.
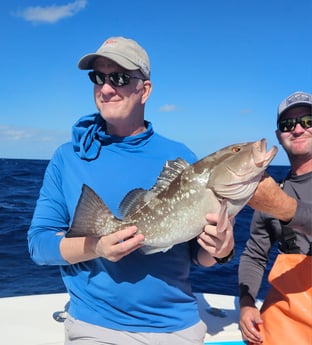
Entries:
{"x":87,"y":61}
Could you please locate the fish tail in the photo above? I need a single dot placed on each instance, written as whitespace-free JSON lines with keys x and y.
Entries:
{"x":91,"y":215}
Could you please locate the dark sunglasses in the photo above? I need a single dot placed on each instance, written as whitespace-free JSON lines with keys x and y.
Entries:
{"x":117,"y":79}
{"x":288,"y":125}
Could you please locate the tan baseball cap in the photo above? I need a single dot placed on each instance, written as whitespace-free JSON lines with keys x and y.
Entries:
{"x":124,"y":51}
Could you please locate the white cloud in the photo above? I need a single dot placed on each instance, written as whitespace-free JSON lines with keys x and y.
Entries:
{"x":167,"y":108}
{"x":13,"y":134}
{"x":20,"y":142}
{"x":51,"y":14}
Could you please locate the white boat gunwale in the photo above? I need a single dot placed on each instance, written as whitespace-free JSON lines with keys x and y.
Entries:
{"x":29,"y":320}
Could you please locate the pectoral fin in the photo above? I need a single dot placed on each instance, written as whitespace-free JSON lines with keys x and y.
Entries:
{"x":147,"y":250}
{"x":223,"y":220}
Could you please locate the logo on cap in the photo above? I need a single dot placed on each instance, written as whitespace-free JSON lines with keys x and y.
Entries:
{"x":297,"y":98}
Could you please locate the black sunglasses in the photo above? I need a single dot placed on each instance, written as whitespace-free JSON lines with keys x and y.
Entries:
{"x":117,"y":79}
{"x":288,"y":125}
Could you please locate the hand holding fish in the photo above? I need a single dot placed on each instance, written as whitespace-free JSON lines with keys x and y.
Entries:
{"x":215,"y":244}
{"x":115,"y":246}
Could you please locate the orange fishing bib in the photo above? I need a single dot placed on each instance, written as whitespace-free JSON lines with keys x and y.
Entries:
{"x":287,"y":309}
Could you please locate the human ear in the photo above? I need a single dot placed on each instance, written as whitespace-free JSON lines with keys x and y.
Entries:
{"x":147,"y":90}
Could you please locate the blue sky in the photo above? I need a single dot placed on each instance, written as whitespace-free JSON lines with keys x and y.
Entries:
{"x":219,"y":68}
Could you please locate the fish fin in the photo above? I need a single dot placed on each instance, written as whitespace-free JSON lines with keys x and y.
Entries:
{"x":223,"y":220}
{"x":90,"y":215}
{"x":137,"y":198}
{"x":134,"y":201}
{"x":171,"y":170}
{"x":147,"y":250}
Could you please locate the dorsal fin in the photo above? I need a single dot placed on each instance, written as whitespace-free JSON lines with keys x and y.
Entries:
{"x":139,"y":197}
{"x":132,"y":202}
{"x":171,"y":170}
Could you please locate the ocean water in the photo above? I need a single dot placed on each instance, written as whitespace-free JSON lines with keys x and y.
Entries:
{"x":20,"y":182}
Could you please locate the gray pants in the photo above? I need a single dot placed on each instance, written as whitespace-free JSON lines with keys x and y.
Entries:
{"x":81,"y":333}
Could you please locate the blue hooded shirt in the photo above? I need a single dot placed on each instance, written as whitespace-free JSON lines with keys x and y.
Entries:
{"x":139,"y":293}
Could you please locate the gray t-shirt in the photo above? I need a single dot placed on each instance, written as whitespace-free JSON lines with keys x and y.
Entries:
{"x":266,"y":230}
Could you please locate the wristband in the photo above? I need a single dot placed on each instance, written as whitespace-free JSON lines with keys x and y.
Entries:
{"x":222,"y":261}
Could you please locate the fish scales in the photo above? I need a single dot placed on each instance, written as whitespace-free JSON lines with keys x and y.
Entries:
{"x":174,"y":209}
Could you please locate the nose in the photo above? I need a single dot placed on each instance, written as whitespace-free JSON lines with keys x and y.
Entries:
{"x":298,"y":128}
{"x":107,"y":87}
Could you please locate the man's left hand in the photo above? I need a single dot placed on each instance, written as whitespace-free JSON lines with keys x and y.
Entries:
{"x":214,"y":243}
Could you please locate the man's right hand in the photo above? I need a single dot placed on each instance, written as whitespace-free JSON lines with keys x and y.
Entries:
{"x":112,"y":247}
{"x":115,"y":246}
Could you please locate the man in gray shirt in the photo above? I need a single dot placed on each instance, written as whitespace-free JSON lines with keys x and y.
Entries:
{"x":293,"y":233}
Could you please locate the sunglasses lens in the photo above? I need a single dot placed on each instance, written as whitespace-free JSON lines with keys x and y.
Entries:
{"x":288,"y":125}
{"x":119,"y":79}
{"x":97,"y":78}
{"x":306,"y":121}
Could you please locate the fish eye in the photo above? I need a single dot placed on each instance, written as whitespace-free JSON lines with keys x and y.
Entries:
{"x":236,"y":149}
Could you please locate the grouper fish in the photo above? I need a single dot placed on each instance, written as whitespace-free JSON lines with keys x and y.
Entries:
{"x":174,"y":209}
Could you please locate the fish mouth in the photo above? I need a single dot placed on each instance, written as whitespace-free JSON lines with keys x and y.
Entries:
{"x":260,"y":155}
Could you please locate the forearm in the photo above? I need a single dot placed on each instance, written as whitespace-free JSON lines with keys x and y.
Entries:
{"x":250,"y":275}
{"x":271,"y":199}
{"x":44,"y":247}
{"x":204,"y":258}
{"x":78,"y":249}
{"x":51,"y":247}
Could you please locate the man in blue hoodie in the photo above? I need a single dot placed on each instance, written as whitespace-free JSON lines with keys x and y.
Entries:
{"x":117,"y":294}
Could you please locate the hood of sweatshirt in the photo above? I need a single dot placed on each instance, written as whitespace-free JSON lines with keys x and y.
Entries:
{"x":89,"y":135}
